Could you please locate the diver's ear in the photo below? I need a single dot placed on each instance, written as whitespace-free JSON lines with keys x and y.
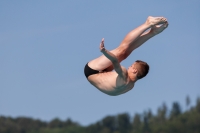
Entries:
{"x":135,"y":71}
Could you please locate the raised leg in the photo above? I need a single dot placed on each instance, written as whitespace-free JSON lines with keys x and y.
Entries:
{"x":132,"y":41}
{"x":156,"y":29}
{"x":127,"y":45}
{"x":142,"y":39}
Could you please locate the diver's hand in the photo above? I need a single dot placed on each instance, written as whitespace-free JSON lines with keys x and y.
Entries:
{"x":102,"y":48}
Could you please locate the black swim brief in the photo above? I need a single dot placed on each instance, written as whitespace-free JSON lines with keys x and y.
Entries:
{"x":89,"y":71}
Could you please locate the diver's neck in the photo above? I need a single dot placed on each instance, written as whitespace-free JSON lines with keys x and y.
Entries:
{"x":132,"y":79}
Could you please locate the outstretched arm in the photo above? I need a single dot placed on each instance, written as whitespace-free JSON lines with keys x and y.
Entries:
{"x":112,"y":58}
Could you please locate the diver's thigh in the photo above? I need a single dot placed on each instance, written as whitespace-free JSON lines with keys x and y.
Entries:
{"x":100,"y":63}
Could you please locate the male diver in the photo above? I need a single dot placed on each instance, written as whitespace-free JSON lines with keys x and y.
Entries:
{"x":99,"y":71}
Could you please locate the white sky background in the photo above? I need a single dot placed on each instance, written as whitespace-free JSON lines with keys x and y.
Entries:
{"x":44,"y":46}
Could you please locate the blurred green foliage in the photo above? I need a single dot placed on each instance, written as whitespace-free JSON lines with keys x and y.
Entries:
{"x":164,"y":121}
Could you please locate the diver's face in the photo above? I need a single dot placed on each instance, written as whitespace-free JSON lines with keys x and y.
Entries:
{"x":132,"y":70}
{"x":132,"y":67}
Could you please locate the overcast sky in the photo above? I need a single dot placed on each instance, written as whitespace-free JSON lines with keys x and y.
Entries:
{"x":44,"y":46}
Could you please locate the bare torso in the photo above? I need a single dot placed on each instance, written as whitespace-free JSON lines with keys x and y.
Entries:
{"x":111,"y":83}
